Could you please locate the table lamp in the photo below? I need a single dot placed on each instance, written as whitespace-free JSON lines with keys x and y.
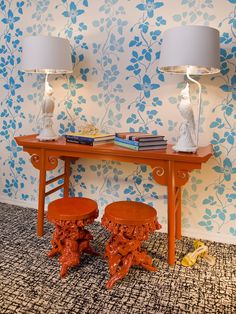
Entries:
{"x":190,"y":50}
{"x":48,"y":55}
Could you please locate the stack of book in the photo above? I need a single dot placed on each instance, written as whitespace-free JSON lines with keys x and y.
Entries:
{"x":87,"y":139}
{"x":140,"y":141}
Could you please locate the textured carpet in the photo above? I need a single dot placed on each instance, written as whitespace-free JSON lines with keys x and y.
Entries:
{"x":29,"y":281}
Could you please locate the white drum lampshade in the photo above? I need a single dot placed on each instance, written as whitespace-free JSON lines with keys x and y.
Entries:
{"x":192,"y":47}
{"x":48,"y":55}
{"x":190,"y":50}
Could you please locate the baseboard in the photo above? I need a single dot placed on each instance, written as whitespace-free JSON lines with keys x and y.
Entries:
{"x":195,"y":234}
{"x":212,"y":236}
{"x":27,"y":204}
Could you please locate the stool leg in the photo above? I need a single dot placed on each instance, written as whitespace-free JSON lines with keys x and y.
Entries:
{"x":144,"y":260}
{"x":84,"y":242}
{"x":122,"y":272}
{"x":122,"y":253}
{"x":71,"y":241}
{"x":56,"y":241}
{"x":70,"y":256}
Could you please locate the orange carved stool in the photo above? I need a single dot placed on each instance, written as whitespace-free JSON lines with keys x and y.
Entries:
{"x":69,"y":216}
{"x":130,"y":223}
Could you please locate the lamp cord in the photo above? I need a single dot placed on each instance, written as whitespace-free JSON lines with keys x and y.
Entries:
{"x":199,"y":104}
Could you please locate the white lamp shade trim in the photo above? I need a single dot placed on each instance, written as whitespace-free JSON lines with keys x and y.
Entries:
{"x":46,"y":54}
{"x":193,"y":48}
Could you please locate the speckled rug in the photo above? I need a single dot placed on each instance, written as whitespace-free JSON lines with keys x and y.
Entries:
{"x":30,"y":283}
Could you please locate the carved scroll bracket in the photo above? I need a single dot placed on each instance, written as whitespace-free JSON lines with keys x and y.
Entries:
{"x":51,"y":162}
{"x":159,"y":172}
{"x":181,"y":177}
{"x":35,"y":160}
{"x":182,"y":171}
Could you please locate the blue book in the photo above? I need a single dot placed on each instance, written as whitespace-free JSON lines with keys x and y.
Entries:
{"x":134,"y":147}
{"x":76,"y":139}
{"x":142,"y":148}
{"x":125,"y":141}
{"x":140,"y":137}
{"x":154,"y":142}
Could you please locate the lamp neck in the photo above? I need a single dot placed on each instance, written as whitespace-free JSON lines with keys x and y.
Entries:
{"x":194,"y":81}
{"x":199,"y":103}
{"x":48,"y":89}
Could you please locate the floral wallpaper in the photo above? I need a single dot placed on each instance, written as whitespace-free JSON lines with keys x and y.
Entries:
{"x":117,"y":86}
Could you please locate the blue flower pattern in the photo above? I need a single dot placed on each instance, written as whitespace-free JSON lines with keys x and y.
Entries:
{"x":218,"y":212}
{"x":73,"y":12}
{"x":149,"y":7}
{"x":145,"y":53}
{"x":10,"y":19}
{"x":118,"y":43}
{"x":146,"y":86}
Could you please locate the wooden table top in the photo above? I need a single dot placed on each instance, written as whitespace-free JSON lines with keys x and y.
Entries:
{"x":110,"y":149}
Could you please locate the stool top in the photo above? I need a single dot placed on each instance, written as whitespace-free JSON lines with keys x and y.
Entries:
{"x":72,"y":208}
{"x":130,"y":213}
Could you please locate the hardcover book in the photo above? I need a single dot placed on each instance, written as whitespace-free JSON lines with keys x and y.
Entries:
{"x":89,"y":138}
{"x":135,"y":147}
{"x":153,"y":142}
{"x":138,"y":136}
{"x":88,"y":142}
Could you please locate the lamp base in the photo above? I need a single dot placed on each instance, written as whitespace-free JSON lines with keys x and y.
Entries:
{"x":178,"y":148}
{"x":42,"y":138}
{"x":47,"y":135}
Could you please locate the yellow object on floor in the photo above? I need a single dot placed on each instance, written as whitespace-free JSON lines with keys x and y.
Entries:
{"x":197,"y":244}
{"x":191,"y":258}
{"x":201,"y":250}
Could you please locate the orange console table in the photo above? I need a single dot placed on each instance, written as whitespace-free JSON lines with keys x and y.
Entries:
{"x":168,"y":168}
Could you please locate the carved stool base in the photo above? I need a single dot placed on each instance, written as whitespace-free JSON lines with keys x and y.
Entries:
{"x":123,"y":249}
{"x":70,"y":239}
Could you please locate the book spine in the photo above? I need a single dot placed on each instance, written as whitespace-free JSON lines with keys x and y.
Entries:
{"x":156,"y":143}
{"x":120,"y":135}
{"x":134,"y":147}
{"x":146,"y":139}
{"x":125,"y":135}
{"x":76,"y":141}
{"x":133,"y":137}
{"x":152,"y":148}
{"x":122,"y":140}
{"x":79,"y":138}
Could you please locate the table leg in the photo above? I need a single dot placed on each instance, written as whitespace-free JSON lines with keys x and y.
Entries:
{"x":171,"y":213}
{"x":178,"y":213}
{"x":66,"y":177}
{"x":41,"y":195}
